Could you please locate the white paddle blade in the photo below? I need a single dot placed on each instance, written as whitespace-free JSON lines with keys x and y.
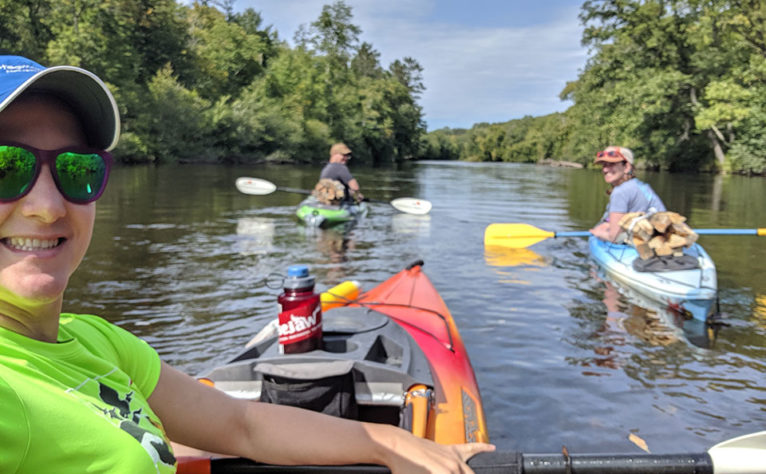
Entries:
{"x":743,"y":455}
{"x":412,"y":205}
{"x":255,"y":186}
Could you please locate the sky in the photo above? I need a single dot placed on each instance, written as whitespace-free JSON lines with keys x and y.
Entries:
{"x":483,"y":60}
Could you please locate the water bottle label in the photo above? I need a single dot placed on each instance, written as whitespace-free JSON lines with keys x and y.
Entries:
{"x":299,"y":323}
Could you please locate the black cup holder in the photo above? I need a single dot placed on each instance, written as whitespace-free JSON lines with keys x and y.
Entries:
{"x":338,"y":345}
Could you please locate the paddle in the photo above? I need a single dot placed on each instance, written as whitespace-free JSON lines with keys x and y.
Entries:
{"x":742,"y":455}
{"x":259,"y":187}
{"x":524,"y":235}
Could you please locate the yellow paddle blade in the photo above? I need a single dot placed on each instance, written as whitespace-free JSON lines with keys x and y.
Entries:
{"x":516,"y":236}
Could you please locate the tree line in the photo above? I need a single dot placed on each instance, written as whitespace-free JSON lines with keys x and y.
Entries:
{"x":202,"y":82}
{"x":681,"y":82}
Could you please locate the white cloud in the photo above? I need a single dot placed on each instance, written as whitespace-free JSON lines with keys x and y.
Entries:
{"x":472,"y":74}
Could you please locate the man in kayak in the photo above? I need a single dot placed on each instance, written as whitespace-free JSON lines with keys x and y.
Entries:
{"x":626,"y":194}
{"x":337,"y":169}
{"x":79,"y":394}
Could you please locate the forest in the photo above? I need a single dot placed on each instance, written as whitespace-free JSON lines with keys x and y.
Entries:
{"x":681,"y":82}
{"x":204,"y":83}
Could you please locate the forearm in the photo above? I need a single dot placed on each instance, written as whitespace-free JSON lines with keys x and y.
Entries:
{"x":608,"y":230}
{"x":204,"y":418}
{"x":305,"y":437}
{"x":284,"y":435}
{"x":601,"y":231}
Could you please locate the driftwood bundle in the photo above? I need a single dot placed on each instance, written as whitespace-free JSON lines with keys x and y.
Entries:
{"x":662,"y":233}
{"x":329,"y":191}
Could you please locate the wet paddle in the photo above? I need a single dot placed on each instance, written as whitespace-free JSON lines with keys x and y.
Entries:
{"x":259,"y":187}
{"x":524,"y":235}
{"x":742,"y":455}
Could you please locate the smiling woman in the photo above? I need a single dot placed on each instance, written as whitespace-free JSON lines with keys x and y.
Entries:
{"x":67,"y":379}
{"x":626,"y":194}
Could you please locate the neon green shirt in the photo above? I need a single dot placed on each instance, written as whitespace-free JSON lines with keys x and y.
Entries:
{"x":80,"y":405}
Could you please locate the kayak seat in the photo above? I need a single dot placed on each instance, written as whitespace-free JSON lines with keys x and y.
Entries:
{"x":666,"y":264}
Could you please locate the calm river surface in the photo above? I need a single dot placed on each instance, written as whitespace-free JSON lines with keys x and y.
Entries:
{"x":562,"y":358}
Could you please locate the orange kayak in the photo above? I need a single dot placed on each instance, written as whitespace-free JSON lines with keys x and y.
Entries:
{"x":394,"y":352}
{"x":455,"y":414}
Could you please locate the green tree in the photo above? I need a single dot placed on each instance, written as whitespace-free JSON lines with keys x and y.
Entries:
{"x":226,"y":56}
{"x":24,"y":27}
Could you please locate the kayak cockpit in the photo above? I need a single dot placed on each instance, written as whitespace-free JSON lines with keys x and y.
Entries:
{"x":369,"y":369}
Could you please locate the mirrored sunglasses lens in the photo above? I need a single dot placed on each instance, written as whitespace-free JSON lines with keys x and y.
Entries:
{"x":17,"y":168}
{"x":81,"y":175}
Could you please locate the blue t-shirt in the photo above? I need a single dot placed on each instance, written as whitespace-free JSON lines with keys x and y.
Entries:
{"x":633,"y":196}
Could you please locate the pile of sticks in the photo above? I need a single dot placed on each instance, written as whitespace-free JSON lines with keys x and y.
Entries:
{"x":329,"y":191}
{"x":661,"y":234}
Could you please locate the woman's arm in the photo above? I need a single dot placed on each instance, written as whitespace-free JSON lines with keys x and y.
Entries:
{"x":205,"y":418}
{"x":610,"y":229}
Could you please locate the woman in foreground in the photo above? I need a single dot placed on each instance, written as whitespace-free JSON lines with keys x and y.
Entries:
{"x":79,"y":394}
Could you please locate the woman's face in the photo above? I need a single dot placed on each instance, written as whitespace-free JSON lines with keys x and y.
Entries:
{"x":43,"y":237}
{"x":615,"y":173}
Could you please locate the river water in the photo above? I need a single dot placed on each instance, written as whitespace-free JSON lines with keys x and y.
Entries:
{"x":562,"y":357}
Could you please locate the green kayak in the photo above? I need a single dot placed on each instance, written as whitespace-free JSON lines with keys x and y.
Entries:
{"x":315,"y":214}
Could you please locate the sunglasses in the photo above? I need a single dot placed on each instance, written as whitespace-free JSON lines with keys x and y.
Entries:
{"x":347,"y":156}
{"x":80,"y":173}
{"x":611,"y":154}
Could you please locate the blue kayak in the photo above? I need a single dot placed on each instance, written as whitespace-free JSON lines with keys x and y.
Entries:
{"x":690,"y":291}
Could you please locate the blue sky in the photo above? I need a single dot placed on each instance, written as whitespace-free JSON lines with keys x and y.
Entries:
{"x":484,"y":60}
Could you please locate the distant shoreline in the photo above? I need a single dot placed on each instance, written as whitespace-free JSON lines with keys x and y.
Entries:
{"x":562,"y":164}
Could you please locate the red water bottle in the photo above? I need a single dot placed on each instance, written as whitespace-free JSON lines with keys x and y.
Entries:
{"x":300,"y":317}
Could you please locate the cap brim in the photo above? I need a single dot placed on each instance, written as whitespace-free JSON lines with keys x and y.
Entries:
{"x":86,"y":94}
{"x":609,"y":159}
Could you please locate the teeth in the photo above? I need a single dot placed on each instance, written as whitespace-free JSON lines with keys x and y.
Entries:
{"x":27,"y":244}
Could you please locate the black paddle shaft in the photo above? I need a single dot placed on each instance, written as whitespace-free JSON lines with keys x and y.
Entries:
{"x":513,"y":463}
{"x":306,"y":191}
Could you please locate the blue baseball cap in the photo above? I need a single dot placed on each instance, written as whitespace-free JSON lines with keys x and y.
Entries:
{"x":82,"y":90}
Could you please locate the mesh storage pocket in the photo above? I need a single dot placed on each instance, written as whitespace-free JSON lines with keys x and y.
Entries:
{"x":329,"y":389}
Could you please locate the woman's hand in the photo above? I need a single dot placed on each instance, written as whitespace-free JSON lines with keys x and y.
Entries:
{"x":405,"y":453}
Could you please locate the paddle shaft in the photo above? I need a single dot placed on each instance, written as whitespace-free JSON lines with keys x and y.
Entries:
{"x":504,"y":463}
{"x":305,"y":191}
{"x":260,"y":187}
{"x":585,"y":233}
{"x":519,"y":235}
{"x":730,"y":231}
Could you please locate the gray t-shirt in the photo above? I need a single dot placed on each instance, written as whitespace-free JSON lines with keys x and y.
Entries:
{"x":336,"y":171}
{"x":633,"y":196}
